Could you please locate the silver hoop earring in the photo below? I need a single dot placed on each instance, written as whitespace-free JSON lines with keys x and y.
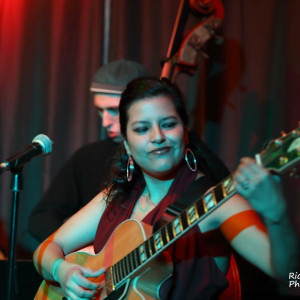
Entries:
{"x":189,"y":155}
{"x":130,"y":168}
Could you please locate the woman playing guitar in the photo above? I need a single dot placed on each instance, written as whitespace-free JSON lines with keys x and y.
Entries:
{"x":179,"y":260}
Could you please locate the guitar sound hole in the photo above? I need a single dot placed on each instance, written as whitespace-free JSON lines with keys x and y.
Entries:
{"x":118,"y":294}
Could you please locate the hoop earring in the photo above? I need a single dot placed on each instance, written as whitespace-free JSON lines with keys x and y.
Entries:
{"x":190,"y":155}
{"x":130,"y":168}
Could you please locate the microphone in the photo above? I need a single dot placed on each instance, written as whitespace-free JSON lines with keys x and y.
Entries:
{"x":41,"y":145}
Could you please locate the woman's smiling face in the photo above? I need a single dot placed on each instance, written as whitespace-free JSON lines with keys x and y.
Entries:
{"x":155,"y":136}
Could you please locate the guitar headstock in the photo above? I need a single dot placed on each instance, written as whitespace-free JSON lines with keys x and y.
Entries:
{"x":282,"y":154}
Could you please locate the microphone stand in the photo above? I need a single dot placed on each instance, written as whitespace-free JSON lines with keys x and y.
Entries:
{"x":16,"y":187}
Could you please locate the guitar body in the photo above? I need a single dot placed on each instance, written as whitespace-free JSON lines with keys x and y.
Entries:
{"x":143,"y":284}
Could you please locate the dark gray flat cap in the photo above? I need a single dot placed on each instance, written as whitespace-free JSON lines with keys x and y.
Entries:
{"x":114,"y":77}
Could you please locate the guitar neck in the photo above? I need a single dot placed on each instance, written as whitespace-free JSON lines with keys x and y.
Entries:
{"x":168,"y":234}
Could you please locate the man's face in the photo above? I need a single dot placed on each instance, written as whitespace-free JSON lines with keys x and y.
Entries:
{"x":108,"y":108}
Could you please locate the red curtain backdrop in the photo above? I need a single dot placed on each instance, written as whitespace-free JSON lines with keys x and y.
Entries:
{"x":243,"y":95}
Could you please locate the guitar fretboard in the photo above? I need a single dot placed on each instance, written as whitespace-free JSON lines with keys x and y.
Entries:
{"x":169,"y":233}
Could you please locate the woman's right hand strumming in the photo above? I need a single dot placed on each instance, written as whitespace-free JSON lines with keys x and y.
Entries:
{"x":74,"y":280}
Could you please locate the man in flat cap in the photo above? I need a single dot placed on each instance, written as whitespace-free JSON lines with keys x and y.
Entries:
{"x":108,"y":84}
{"x":85,"y":173}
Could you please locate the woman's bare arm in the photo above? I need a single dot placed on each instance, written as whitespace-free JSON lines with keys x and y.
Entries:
{"x":77,"y":232}
{"x":272,"y":245}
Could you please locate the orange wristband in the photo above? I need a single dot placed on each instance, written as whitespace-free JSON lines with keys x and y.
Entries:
{"x":240,"y":221}
{"x":42,"y":250}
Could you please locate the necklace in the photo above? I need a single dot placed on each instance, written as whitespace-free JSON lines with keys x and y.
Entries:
{"x":144,"y":205}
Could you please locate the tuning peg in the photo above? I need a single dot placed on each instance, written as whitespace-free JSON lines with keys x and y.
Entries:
{"x":296,"y":132}
{"x":283,"y":160}
{"x":278,"y":142}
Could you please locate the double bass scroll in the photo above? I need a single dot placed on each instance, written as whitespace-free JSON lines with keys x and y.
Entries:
{"x":182,"y":56}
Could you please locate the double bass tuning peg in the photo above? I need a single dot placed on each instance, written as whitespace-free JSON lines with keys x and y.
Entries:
{"x":219,"y":40}
{"x":211,"y":29}
{"x":204,"y":54}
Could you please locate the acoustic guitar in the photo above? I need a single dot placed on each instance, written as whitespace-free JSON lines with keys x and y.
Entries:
{"x":134,"y":258}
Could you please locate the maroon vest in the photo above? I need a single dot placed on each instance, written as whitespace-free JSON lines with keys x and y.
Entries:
{"x":195,"y":274}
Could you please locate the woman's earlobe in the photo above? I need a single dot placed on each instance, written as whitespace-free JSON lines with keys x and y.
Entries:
{"x":186,"y":136}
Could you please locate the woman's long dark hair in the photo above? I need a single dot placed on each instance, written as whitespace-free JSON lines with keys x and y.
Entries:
{"x":147,"y":88}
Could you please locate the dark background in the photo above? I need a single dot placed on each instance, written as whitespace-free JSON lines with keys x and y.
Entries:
{"x":245,"y":94}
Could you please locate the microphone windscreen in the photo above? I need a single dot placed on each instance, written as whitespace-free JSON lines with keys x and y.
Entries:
{"x":44,"y":142}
